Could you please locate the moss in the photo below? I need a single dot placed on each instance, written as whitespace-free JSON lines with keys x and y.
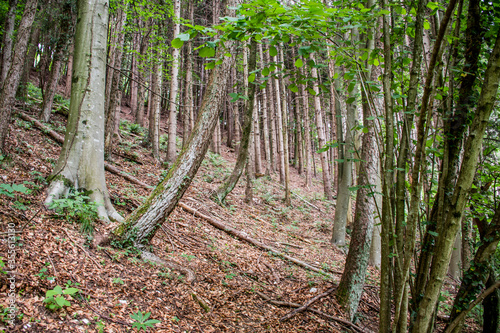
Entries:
{"x":58,"y":177}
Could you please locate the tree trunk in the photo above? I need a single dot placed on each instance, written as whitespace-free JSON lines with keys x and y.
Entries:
{"x":115,"y":95}
{"x":51,"y":87}
{"x":188,"y":110}
{"x":220,"y":194}
{"x":30,"y":60}
{"x":257,"y":141}
{"x":142,"y":224}
{"x":8,"y":39}
{"x":13,"y":77}
{"x":307,"y":133}
{"x":279,"y":127}
{"x":155,"y":102}
{"x":284,"y":119}
{"x":174,"y":86}
{"x":81,"y":162}
{"x":69,"y":73}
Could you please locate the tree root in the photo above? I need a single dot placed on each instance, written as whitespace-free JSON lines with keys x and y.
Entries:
{"x":322,"y":314}
{"x":190,"y":276}
{"x":60,"y":139}
{"x":243,"y":236}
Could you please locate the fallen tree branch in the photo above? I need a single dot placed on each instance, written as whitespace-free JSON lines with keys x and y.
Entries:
{"x":81,"y":248}
{"x":60,"y":139}
{"x":190,"y":276}
{"x":322,"y":314}
{"x":243,"y":236}
{"x":306,"y":305}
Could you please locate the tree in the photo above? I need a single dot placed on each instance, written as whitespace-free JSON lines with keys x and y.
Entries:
{"x":81,"y":161}
{"x":11,"y":83}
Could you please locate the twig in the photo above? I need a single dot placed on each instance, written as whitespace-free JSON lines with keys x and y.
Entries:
{"x":168,"y":236}
{"x":81,"y":248}
{"x":200,"y":302}
{"x":53,"y":266}
{"x":306,"y":305}
{"x":103,"y":316}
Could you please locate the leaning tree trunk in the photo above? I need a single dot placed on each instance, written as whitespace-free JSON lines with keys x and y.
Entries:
{"x":141,"y":226}
{"x":220,"y":194}
{"x":81,"y":162}
{"x":13,"y":77}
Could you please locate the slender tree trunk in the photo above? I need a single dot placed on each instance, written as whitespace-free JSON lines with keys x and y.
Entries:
{"x":115,"y":95}
{"x":30,"y":59}
{"x":69,"y":72}
{"x":257,"y":141}
{"x":13,"y":77}
{"x":271,"y":107}
{"x":220,"y":194}
{"x":307,"y":133}
{"x":134,"y":73}
{"x":8,"y":39}
{"x":154,"y":112}
{"x":286,"y":148}
{"x":188,"y":110}
{"x":51,"y":86}
{"x":81,"y":162}
{"x":265,"y":121}
{"x":279,"y":127}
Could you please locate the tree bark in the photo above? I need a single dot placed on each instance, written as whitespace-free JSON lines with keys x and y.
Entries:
{"x":220,"y":194}
{"x":13,"y":77}
{"x":143,"y":223}
{"x":174,"y":86}
{"x":81,"y":162}
{"x":8,"y":39}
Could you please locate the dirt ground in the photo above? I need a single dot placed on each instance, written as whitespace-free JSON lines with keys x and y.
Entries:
{"x":233,"y":278}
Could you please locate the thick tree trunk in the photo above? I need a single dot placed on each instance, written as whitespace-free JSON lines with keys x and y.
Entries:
{"x":220,"y":194}
{"x":30,"y":60}
{"x":352,"y":281}
{"x":174,"y":86}
{"x":69,"y":73}
{"x":81,"y":162}
{"x":142,"y":224}
{"x":13,"y":77}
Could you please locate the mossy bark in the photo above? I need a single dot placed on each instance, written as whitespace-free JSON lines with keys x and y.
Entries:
{"x":141,"y":226}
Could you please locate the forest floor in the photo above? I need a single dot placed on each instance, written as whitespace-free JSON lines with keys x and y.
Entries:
{"x":233,"y":278}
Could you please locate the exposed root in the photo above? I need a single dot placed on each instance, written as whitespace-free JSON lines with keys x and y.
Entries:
{"x":190,"y":276}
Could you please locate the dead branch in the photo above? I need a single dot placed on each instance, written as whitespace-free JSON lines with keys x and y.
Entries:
{"x":58,"y":138}
{"x":322,"y":314}
{"x":244,"y":237}
{"x":190,"y":276}
{"x":81,"y":248}
{"x":306,"y":305}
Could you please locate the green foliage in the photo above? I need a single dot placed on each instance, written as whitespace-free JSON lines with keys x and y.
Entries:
{"x":118,"y":281}
{"x":57,"y":298}
{"x":11,"y":190}
{"x":77,"y":207}
{"x":141,"y":321}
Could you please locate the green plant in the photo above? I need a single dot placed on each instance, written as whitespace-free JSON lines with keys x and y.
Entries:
{"x":56,"y":298}
{"x":77,"y":207}
{"x":141,"y":320}
{"x":118,"y":281}
{"x":42,"y":273}
{"x":11,"y":190}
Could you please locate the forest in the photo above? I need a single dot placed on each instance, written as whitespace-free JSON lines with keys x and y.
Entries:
{"x":249,"y":166}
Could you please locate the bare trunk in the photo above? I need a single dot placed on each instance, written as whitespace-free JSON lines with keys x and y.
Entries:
{"x":81,"y":162}
{"x":8,"y":39}
{"x":13,"y":77}
{"x":51,"y":87}
{"x":174,"y":86}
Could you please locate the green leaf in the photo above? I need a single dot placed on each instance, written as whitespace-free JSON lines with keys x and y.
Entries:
{"x":183,"y":37}
{"x":71,"y":291}
{"x":376,"y":62}
{"x":433,"y":233}
{"x":439,"y":97}
{"x":293,"y":87}
{"x":251,"y":78}
{"x":364,"y":56}
{"x":210,"y":65}
{"x":60,"y":301}
{"x":299,"y":63}
{"x":350,"y":100}
{"x":427,"y":25}
{"x":207,"y":52}
{"x":177,"y":43}
{"x":384,"y":12}
{"x":311,"y":91}
{"x":272,"y":51}
{"x":265,"y":71}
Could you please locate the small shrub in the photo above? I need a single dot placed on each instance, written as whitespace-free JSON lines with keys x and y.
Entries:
{"x":77,"y":207}
{"x":56,"y":298}
{"x":141,"y":320}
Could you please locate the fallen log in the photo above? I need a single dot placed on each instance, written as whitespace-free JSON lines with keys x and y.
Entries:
{"x":243,"y":236}
{"x":60,"y":139}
